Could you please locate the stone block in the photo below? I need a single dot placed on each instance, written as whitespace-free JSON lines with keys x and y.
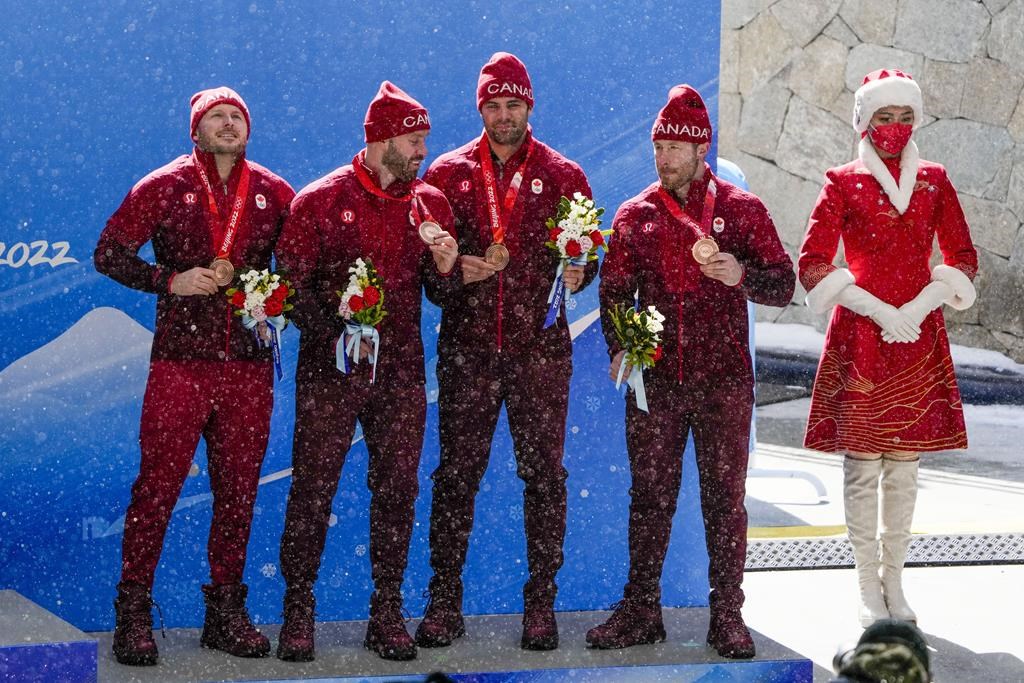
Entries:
{"x":789,"y":199}
{"x":866,"y":58}
{"x":838,"y":30}
{"x":738,"y":13}
{"x":972,"y":335}
{"x":997,"y":190}
{"x":761,"y":119}
{"x":991,"y":91}
{"x":1001,"y":307}
{"x":729,"y":62}
{"x":942,"y":87}
{"x":1013,"y":345}
{"x":842,"y":107}
{"x":950,"y":30}
{"x":967,"y":150}
{"x":729,"y":106}
{"x":1016,"y":125}
{"x":812,"y":141}
{"x":818,"y":74}
{"x":765,"y":49}
{"x":805,"y":20}
{"x":1015,"y":191}
{"x":996,"y":6}
{"x":1005,"y":41}
{"x":872,"y":20}
{"x":993,"y":226}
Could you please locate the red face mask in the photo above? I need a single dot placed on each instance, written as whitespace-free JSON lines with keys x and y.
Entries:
{"x":892,"y":137}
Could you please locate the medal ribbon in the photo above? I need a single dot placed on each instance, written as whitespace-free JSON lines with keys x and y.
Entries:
{"x":707,"y":215}
{"x":491,"y":187}
{"x":229,"y":228}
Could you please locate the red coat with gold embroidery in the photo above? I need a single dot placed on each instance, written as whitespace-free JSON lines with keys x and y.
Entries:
{"x":870,"y":396}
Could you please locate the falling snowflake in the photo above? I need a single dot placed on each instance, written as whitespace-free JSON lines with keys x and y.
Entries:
{"x":593,"y":403}
{"x":268,"y":570}
{"x":584,"y":493}
{"x":360,"y":550}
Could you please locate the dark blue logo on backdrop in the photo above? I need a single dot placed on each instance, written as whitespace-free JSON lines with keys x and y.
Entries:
{"x":98,"y":97}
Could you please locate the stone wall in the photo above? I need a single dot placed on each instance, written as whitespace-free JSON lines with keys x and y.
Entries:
{"x":788,"y":72}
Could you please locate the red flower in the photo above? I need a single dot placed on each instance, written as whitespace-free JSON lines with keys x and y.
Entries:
{"x":657,"y":353}
{"x":273,"y":307}
{"x":554,"y":233}
{"x":371,"y":295}
{"x":355,"y":303}
{"x":597,"y":238}
{"x":280,"y":294}
{"x":573,"y":249}
{"x":238,"y":299}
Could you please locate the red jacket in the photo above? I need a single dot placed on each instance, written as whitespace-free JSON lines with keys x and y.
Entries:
{"x":334,"y":221}
{"x":169,"y":207}
{"x":507,"y":311}
{"x":706,"y":331}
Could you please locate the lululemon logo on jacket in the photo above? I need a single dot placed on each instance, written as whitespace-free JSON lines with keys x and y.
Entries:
{"x":465,"y":185}
{"x":510,"y":90}
{"x":682,"y":130}
{"x":416,"y":120}
{"x":189,"y":198}
{"x":348,"y":215}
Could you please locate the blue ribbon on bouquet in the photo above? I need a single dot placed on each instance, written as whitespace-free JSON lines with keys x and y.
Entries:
{"x":558,"y":288}
{"x":348,"y":349}
{"x":275,"y":324}
{"x":635,"y":381}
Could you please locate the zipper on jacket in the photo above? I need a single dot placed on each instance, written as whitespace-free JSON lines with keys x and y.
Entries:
{"x":501,"y":281}
{"x":227,"y":337}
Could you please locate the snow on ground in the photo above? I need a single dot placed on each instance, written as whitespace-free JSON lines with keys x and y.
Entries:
{"x":805,"y":339}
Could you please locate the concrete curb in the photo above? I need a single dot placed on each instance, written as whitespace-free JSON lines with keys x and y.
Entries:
{"x":978,"y":385}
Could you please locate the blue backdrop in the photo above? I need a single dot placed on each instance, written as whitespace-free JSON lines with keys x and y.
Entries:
{"x":96,"y":96}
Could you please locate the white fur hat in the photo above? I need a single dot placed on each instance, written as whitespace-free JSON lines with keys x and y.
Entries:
{"x":886,"y":88}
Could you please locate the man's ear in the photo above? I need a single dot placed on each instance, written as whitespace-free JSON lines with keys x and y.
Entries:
{"x":702,"y":149}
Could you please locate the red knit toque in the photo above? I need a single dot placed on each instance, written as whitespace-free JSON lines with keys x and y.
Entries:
{"x":504,"y":76}
{"x":205,"y":100}
{"x":684,"y":117}
{"x":392,"y":113}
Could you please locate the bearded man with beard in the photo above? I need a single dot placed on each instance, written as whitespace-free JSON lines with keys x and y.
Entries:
{"x":205,"y":214}
{"x":493,"y":348}
{"x":697,"y":248}
{"x":372,"y":210}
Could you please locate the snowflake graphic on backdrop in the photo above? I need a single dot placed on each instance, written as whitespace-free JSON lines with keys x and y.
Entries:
{"x":516,"y":512}
{"x":268,"y":570}
{"x":593,"y":403}
{"x":360,"y":550}
{"x":570,"y":304}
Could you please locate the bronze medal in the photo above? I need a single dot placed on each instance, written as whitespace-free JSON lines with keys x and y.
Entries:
{"x":429,"y":231}
{"x":497,"y":256}
{"x":704,"y":250}
{"x":223,"y":272}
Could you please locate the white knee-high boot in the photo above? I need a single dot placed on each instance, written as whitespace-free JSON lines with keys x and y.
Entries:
{"x":860,"y":498}
{"x":899,"y":495}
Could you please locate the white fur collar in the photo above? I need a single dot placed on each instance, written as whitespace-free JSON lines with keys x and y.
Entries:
{"x":899,"y":196}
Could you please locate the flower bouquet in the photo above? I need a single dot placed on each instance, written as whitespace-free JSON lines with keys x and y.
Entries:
{"x":362,"y":307}
{"x":261,"y":300}
{"x":574,"y":234}
{"x":638,"y":332}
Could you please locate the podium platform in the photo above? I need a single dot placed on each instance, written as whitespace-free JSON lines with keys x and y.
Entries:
{"x":489,"y":653}
{"x":36,"y":646}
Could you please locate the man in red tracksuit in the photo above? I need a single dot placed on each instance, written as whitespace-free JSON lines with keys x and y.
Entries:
{"x":370,"y":209}
{"x":493,"y":349}
{"x":703,"y":381}
{"x":207,"y":376}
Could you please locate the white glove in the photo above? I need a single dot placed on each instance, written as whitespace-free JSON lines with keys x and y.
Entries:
{"x":931,"y":297}
{"x":897,"y":325}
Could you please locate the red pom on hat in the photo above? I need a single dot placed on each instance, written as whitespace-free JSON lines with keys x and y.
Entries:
{"x":886,"y":88}
{"x":205,"y":100}
{"x":504,"y":76}
{"x":684,"y":117}
{"x":392,"y":113}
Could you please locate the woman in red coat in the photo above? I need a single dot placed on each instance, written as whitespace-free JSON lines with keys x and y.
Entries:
{"x":885,"y":391}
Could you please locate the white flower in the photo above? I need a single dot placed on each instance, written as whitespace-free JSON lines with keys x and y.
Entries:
{"x":654,"y":320}
{"x":586,"y":244}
